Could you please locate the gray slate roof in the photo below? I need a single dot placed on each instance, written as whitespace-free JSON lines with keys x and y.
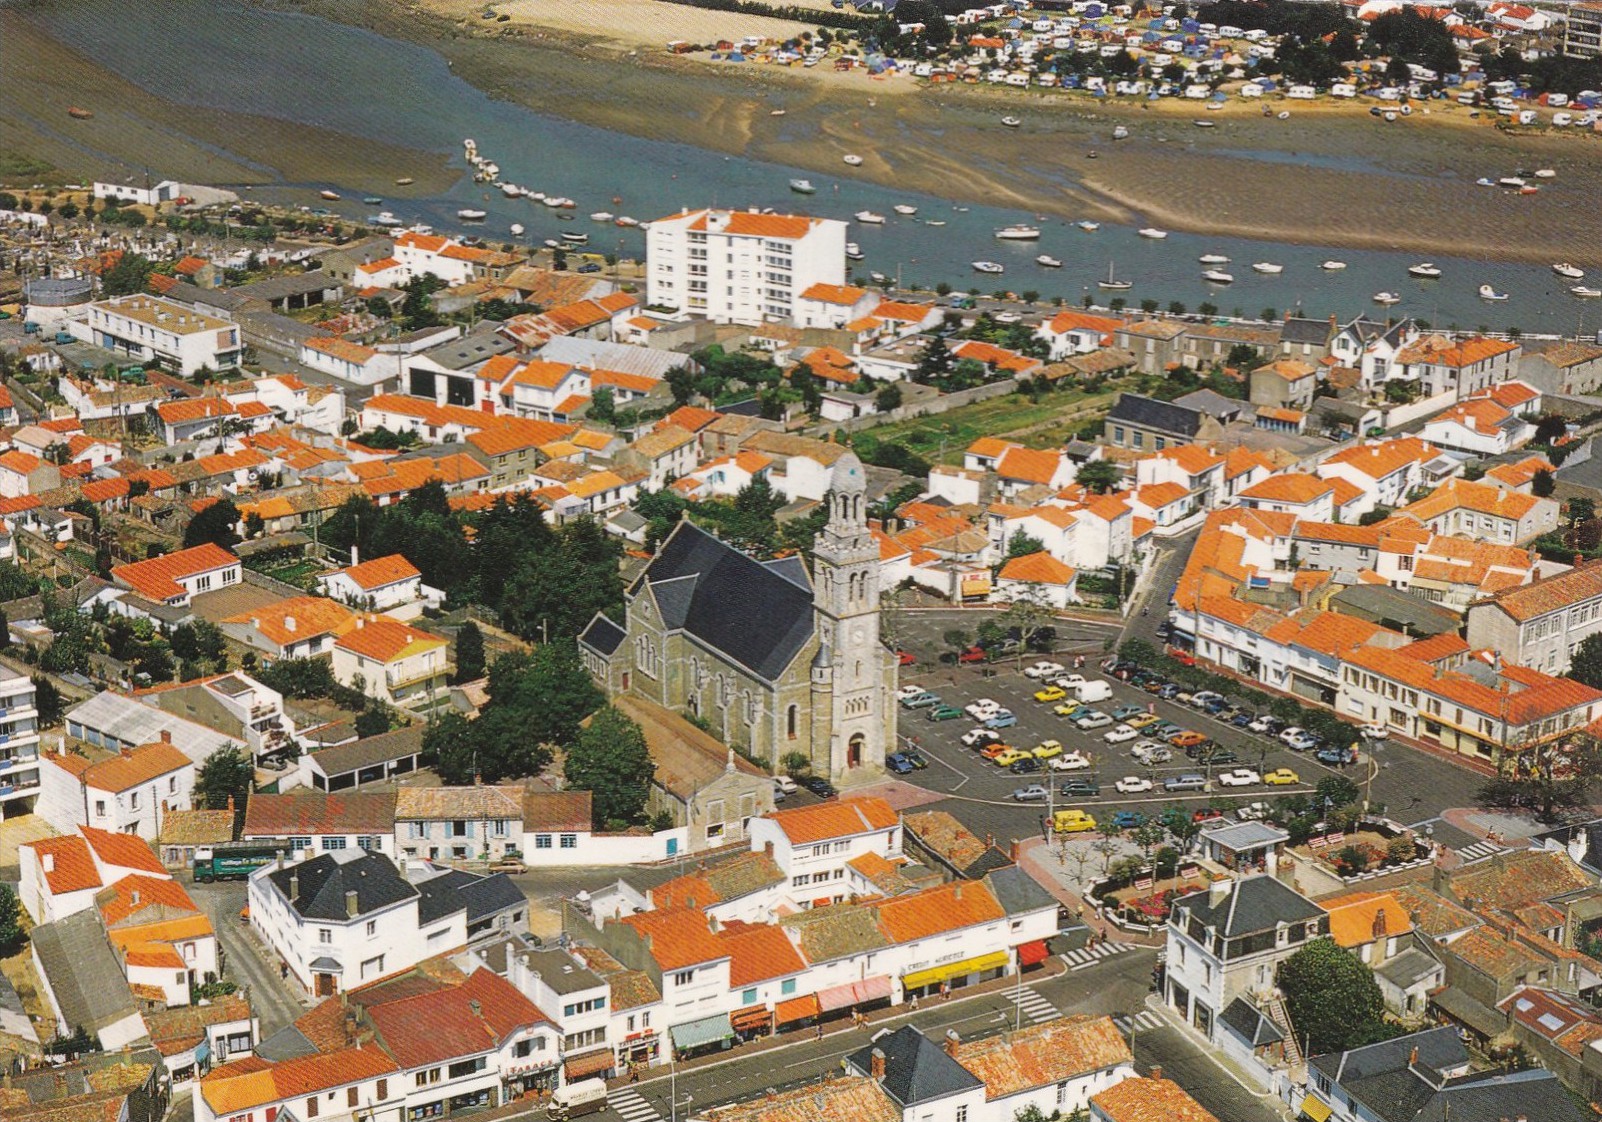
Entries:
{"x":1256,"y":904}
{"x":324,"y":880}
{"x":1301,"y":331}
{"x":393,"y":745}
{"x":1213,"y":403}
{"x":621,"y":357}
{"x":602,"y":634}
{"x":1149,"y":413}
{"x":751,"y":613}
{"x":1017,"y":892}
{"x":480,"y":896}
{"x":471,"y":350}
{"x":83,"y":972}
{"x":916,"y":1069}
{"x":1250,"y":1024}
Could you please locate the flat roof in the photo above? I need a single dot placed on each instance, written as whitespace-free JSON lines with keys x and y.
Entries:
{"x":163,"y":314}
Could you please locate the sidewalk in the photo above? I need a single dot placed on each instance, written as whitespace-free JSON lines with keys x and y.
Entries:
{"x":1034,"y":856}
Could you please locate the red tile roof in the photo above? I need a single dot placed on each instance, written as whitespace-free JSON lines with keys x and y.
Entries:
{"x":758,"y":953}
{"x":381,"y":571}
{"x":127,"y":851}
{"x":678,"y":937}
{"x":157,"y":578}
{"x":946,"y":907}
{"x":72,"y":868}
{"x":453,"y":1022}
{"x":843,"y":819}
{"x":122,"y":771}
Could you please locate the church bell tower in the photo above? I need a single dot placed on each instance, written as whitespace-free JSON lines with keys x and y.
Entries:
{"x":851,"y":659}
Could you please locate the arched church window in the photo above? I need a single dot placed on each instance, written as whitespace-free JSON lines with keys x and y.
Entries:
{"x":792,"y":721}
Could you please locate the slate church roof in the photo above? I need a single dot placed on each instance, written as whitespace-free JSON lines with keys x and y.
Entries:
{"x":753,"y":613}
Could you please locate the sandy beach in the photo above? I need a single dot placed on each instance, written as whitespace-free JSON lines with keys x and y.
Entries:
{"x":1330,"y":174}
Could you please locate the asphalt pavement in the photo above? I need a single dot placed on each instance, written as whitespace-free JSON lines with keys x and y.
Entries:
{"x":245,"y":962}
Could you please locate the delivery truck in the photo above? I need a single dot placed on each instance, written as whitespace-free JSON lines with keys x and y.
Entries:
{"x":233,"y":860}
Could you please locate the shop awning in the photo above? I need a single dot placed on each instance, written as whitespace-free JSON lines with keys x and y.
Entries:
{"x":590,"y":1063}
{"x":876,"y":988}
{"x":1032,"y":954}
{"x":1315,"y":1108}
{"x":946,"y":971}
{"x":796,"y":1009}
{"x":698,"y":1034}
{"x":837,"y":997}
{"x":755,"y":1016}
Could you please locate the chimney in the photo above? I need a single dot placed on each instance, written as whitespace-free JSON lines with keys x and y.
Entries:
{"x":990,"y":840}
{"x":47,"y":862}
{"x":768,"y":848}
{"x":773,"y":1096}
{"x":953,"y":1042}
{"x":1379,"y":923}
{"x":294,"y":886}
{"x":289,"y":624}
{"x":876,"y":1063}
{"x":1156,"y":1071}
{"x":136,"y":897}
{"x":166,"y":736}
{"x":956,"y":892}
{"x":350,"y":903}
{"x":354,"y":560}
{"x":476,"y":1008}
{"x":1012,"y":851}
{"x":1218,"y":890}
{"x":126,"y":752}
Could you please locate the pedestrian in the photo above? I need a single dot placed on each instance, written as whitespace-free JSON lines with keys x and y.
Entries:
{"x":283,"y":971}
{"x":914,"y":1003}
{"x":634,"y":1073}
{"x":820,"y":1030}
{"x":945,"y":991}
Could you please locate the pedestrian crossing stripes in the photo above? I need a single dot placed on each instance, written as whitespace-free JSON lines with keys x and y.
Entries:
{"x":1034,"y":1007}
{"x":1145,"y":1021}
{"x":1478,"y":850}
{"x":1086,"y":956}
{"x":633,"y":1108}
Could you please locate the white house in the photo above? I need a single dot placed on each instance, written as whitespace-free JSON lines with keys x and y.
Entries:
{"x":19,"y":750}
{"x":833,"y":305}
{"x":163,"y":192}
{"x":60,"y":876}
{"x":306,"y":824}
{"x":126,"y":792}
{"x":380,"y":585}
{"x":813,"y":845}
{"x":1479,"y":425}
{"x":459,"y":823}
{"x":349,"y":362}
{"x":173,"y":578}
{"x":151,"y":329}
{"x":1037,"y":578}
{"x":736,"y":266}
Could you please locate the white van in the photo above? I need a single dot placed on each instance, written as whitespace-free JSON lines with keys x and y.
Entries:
{"x":1093,"y":690}
{"x":783,"y":786}
{"x":587,"y":1096}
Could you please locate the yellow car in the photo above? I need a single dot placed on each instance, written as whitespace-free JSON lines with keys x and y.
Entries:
{"x":1140,"y":721}
{"x":1281,"y":776}
{"x":1011,"y":756}
{"x":1051,"y":693}
{"x":1072,"y":822}
{"x":1046,"y":749}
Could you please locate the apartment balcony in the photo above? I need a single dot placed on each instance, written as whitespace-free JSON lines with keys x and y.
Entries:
{"x":10,"y":763}
{"x":399,"y":680}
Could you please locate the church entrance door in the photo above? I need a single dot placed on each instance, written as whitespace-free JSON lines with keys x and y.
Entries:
{"x":854,"y":751}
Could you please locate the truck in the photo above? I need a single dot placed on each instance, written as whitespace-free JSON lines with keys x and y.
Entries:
{"x":233,"y":860}
{"x":1093,"y":690}
{"x":587,"y":1096}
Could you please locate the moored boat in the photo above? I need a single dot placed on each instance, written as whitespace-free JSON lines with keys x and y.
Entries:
{"x":79,"y":113}
{"x":1153,"y":233}
{"x":1424,"y":270}
{"x":1088,"y":226}
{"x":1120,"y":133}
{"x":877,"y":278}
{"x":373,"y":200}
{"x":1489,"y":293}
{"x":803,"y":187}
{"x":1387,"y":298}
{"x":1217,"y":276}
{"x":853,"y":160}
{"x":601,"y":216}
{"x":989,"y":267}
{"x":1584,"y":292}
{"x":625,"y":220}
{"x":1268,"y":267}
{"x":1564,"y":269}
{"x":1203,"y":123}
{"x":577,"y":237}
{"x":1113,"y":285}
{"x":469,"y":214}
{"x":331,"y":196}
{"x":934,"y":221}
{"x":1011,"y":122}
{"x":854,"y":252}
{"x":869,"y":218}
{"x":1213,"y":259}
{"x":1332,"y":266}
{"x":1545,"y":173}
{"x":904,"y":208}
{"x":1018,"y":233}
{"x":517,"y":230}
{"x":405,"y":181}
{"x":1048,"y":261}
{"x":386,"y":218}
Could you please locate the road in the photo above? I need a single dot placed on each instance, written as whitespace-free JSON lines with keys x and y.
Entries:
{"x":1116,"y":985}
{"x":276,"y":1002}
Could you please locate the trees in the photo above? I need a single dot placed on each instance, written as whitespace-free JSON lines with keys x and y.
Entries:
{"x":1585,"y":665}
{"x":1333,"y":999}
{"x":1545,"y":778}
{"x":10,"y":921}
{"x":215,"y":524}
{"x":1021,"y":545}
{"x":469,"y":652}
{"x":226,"y":773}
{"x":129,"y":275}
{"x":298,"y":678}
{"x":449,"y":746}
{"x":15,"y":583}
{"x":1542,"y":485}
{"x":1099,"y":476}
{"x":47,"y":701}
{"x":957,"y":641}
{"x":610,"y":760}
{"x":888,"y":398}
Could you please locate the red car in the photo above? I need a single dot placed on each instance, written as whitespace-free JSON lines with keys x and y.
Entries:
{"x":1206,"y":814}
{"x":972,"y":654}
{"x":906,"y":658}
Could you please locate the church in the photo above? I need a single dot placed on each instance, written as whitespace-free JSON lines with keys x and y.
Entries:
{"x":771,"y":658}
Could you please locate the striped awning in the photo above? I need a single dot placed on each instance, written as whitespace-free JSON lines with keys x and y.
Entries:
{"x":1315,"y":1109}
{"x":754,"y":1016}
{"x":796,"y":1009}
{"x":859,"y":992}
{"x":698,"y":1034}
{"x":588,"y":1064}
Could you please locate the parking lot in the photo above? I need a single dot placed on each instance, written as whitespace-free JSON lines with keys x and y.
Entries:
{"x":960,"y":771}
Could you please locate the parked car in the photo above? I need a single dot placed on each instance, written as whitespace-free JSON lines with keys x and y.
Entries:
{"x":991,"y":751}
{"x":1034,"y":793}
{"x":1206,"y":814}
{"x":922,"y":701}
{"x":906,"y":658}
{"x":972,"y":654}
{"x":1189,"y":782}
{"x":1070,"y":761}
{"x":982,"y":708}
{"x":782,"y":785}
{"x":1079,"y":789}
{"x":1124,"y":712}
{"x":1046,"y":749}
{"x":1187,"y":738}
{"x":1243,"y":719}
{"x":898,"y":763}
{"x":1215,"y":755}
{"x":1162,"y":730}
{"x":1002,"y":720}
{"x":944,"y":713}
{"x":906,"y":692}
{"x":1072,"y":710}
{"x":1093,"y":720}
{"x":1168,"y":691}
{"x":1239,"y":777}
{"x":1336,"y":757}
{"x":1072,"y":822}
{"x":1142,"y":721}
{"x":1043,"y":669}
{"x":1133,"y":785}
{"x":1118,"y":734}
{"x":1012,"y":756}
{"x":1252,"y":812}
{"x":1375,"y":731}
{"x":1267,"y":723}
{"x":1201,"y":698}
{"x":1297,"y":740}
{"x":1026,"y":766}
{"x":1051,"y":693}
{"x":819,"y":786}
{"x":1281,"y":777}
{"x":1150,"y":752}
{"x":1128,"y":819}
{"x":1069,"y":681}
